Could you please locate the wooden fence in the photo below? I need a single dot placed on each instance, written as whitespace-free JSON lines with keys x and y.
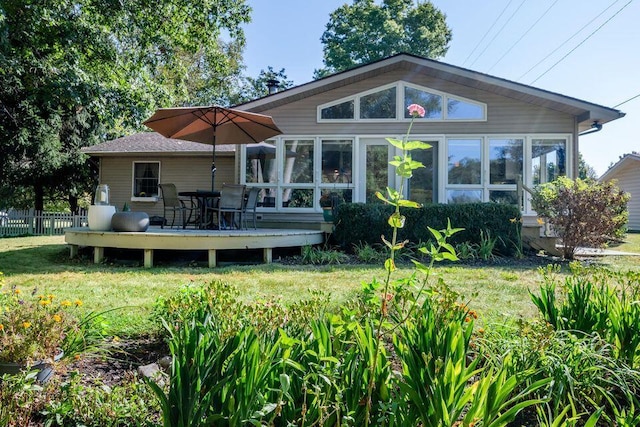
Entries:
{"x":39,"y":223}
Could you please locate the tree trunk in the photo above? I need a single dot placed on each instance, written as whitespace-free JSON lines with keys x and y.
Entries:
{"x":38,"y":189}
{"x":73,"y":204}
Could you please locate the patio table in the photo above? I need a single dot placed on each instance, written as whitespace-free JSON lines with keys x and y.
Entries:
{"x":202,"y":199}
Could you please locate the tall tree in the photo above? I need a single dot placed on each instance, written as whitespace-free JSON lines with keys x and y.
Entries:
{"x":74,"y":72}
{"x":365,"y":32}
{"x":585,"y":170}
{"x":253,"y":88}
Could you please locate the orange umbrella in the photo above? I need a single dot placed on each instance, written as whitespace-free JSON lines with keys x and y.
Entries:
{"x":211,"y":125}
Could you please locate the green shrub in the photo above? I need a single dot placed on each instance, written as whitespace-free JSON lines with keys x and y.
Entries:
{"x":596,"y":301}
{"x":358,"y":223}
{"x":582,"y":212}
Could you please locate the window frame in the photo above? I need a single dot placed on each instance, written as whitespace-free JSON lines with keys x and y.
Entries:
{"x":153,"y":198}
{"x":400,"y":86}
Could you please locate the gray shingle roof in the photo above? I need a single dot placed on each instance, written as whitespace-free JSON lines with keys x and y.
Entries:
{"x":153,"y":142}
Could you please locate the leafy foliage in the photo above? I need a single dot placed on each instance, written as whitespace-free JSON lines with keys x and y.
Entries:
{"x":582,"y":212}
{"x":365,"y":32}
{"x":358,"y":223}
{"x":75,"y":72}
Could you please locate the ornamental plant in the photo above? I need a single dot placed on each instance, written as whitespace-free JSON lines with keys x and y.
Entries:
{"x":33,"y":326}
{"x":582,"y":212}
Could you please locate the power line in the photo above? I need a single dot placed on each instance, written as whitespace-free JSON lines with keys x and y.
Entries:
{"x":488,"y":31}
{"x":498,"y":33}
{"x":522,"y":36}
{"x":582,"y":42}
{"x":567,"y":40}
{"x":624,"y":102}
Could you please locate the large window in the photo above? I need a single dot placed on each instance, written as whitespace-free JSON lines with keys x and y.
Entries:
{"x":465,"y":161}
{"x":146,"y":177}
{"x":297,"y":173}
{"x":390,"y":102}
{"x":548,"y":159}
{"x":505,"y":161}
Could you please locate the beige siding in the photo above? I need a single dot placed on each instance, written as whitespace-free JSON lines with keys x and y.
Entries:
{"x":505,"y":115}
{"x":629,"y":181}
{"x":189,"y":173}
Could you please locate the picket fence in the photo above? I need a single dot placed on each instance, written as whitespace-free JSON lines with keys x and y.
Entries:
{"x":39,"y":223}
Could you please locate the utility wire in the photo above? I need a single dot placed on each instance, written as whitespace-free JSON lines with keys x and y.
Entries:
{"x":582,"y":42}
{"x":498,"y":33}
{"x":624,"y":102}
{"x":567,"y":40}
{"x":522,"y":36}
{"x":488,"y":31}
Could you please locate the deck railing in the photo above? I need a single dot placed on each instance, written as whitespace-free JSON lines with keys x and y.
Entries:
{"x":39,"y":223}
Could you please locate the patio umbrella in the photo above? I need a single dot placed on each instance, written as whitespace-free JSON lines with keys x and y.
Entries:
{"x":211,"y":125}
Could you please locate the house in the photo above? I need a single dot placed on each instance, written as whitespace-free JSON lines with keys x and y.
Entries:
{"x":627,"y":172}
{"x":134,"y":165}
{"x":487,"y":135}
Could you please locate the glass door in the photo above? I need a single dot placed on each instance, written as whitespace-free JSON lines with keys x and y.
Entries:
{"x":375,"y":172}
{"x":423,"y":186}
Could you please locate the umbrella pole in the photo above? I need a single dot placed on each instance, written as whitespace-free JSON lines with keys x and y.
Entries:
{"x":213,"y":164}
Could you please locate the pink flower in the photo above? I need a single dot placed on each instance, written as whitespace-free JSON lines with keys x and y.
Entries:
{"x":416,"y":110}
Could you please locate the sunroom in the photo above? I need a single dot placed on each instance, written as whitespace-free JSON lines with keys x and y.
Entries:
{"x":465,"y":163}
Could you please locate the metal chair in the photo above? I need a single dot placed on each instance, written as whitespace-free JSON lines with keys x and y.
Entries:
{"x":172,"y":203}
{"x":231,"y":202}
{"x":250,"y":205}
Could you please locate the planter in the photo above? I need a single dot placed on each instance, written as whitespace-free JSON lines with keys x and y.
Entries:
{"x":130,"y":221}
{"x":45,"y":369}
{"x":327,"y":214}
{"x":99,"y":217}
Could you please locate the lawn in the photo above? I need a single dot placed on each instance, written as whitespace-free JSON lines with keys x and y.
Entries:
{"x":496,"y":290}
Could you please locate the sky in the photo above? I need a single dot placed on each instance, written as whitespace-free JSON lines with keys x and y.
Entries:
{"x":586,"y":49}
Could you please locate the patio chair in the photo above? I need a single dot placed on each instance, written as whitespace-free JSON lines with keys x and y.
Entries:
{"x":250,"y":205}
{"x":231,"y":202}
{"x":177,"y":206}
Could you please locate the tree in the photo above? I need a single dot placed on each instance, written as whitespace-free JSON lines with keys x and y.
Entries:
{"x":582,"y":212}
{"x":76,"y":72}
{"x":253,"y":88}
{"x":585,"y":171}
{"x":365,"y":32}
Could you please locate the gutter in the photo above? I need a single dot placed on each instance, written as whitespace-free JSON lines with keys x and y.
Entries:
{"x":595,"y":127}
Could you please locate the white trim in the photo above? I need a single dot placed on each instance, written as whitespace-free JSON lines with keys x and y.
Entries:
{"x":133,"y":181}
{"x":357,"y":186}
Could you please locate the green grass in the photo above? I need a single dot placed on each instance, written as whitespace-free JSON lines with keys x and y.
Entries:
{"x":497,"y":292}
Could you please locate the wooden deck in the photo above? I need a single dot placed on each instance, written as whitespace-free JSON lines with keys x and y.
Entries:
{"x":178,"y":239}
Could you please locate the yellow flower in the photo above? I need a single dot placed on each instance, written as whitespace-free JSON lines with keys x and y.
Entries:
{"x":512,"y":220}
{"x":26,"y":324}
{"x":65,"y":303}
{"x":78,"y":303}
{"x":18,"y":291}
{"x":51,"y":297}
{"x":1,"y":327}
{"x":57,"y":318}
{"x":540,"y":221}
{"x":45,"y":302}
{"x":76,"y":357}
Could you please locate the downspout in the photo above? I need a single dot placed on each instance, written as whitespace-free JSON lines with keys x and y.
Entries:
{"x":595,"y":127}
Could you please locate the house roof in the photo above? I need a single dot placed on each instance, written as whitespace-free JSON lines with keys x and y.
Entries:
{"x":628,"y":159}
{"x":586,"y":112}
{"x":153,"y":143}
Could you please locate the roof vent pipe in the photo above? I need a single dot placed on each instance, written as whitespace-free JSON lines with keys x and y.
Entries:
{"x":595,"y":127}
{"x":272,"y":86}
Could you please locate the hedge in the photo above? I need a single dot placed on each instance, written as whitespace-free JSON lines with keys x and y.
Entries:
{"x":357,"y":223}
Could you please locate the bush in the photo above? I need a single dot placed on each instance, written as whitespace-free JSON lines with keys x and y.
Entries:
{"x":582,"y":212}
{"x":358,"y":223}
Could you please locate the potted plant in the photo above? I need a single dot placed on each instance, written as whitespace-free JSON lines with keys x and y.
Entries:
{"x":328,"y":201}
{"x":33,"y":330}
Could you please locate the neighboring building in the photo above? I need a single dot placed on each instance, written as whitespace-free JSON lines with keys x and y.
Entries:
{"x":133,"y":166}
{"x":627,"y":172}
{"x":486,"y":133}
